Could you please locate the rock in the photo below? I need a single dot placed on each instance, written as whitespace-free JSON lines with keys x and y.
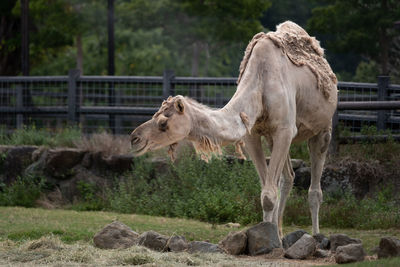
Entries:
{"x":349,"y":253}
{"x":297,"y":163}
{"x":13,"y":161}
{"x":115,"y":235}
{"x":292,"y":238}
{"x":234,"y":243}
{"x":303,"y":177}
{"x":177,"y":243}
{"x":71,"y":188}
{"x":154,"y":241}
{"x":323,"y":241}
{"x":303,"y":248}
{"x":60,"y":161}
{"x":99,"y":164}
{"x":337,"y":240}
{"x":389,"y":247}
{"x":262,"y":238}
{"x":203,"y":247}
{"x":321,"y":253}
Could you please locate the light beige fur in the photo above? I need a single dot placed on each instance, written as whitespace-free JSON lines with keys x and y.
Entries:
{"x":283,"y":98}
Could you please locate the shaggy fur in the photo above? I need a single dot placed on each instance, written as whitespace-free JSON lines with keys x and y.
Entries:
{"x":302,"y":50}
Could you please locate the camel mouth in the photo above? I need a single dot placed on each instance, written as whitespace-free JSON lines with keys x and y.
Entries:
{"x":141,"y":150}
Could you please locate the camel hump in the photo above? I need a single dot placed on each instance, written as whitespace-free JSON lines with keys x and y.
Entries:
{"x":302,"y":50}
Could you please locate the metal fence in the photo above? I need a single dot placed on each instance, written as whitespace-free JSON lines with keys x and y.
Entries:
{"x":121,"y":103}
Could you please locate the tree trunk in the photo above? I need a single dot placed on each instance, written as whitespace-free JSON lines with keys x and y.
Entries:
{"x":195,"y":59}
{"x":79,"y":53}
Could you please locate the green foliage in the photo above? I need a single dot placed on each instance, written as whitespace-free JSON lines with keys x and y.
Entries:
{"x":361,"y":26}
{"x":366,"y":72}
{"x":23,"y":192}
{"x":300,"y":151}
{"x":30,"y":135}
{"x":90,"y":197}
{"x":215,"y":192}
{"x":343,"y":210}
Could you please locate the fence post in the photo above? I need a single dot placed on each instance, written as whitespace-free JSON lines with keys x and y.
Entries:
{"x":20,"y":105}
{"x":73,"y":76}
{"x":383,"y":83}
{"x":334,"y":145}
{"x":168,"y":88}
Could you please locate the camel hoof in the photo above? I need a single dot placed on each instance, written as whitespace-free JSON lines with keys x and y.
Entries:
{"x":267,"y":200}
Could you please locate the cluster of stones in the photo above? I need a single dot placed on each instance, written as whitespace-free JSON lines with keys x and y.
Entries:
{"x":257,"y":240}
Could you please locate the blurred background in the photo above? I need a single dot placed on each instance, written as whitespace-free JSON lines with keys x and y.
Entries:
{"x":145,"y":51}
{"x":195,"y":37}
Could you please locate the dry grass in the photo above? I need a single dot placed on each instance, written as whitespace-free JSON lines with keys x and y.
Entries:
{"x":105,"y":143}
{"x":54,"y":252}
{"x":32,"y":237}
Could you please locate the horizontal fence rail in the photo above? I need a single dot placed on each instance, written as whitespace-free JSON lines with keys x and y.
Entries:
{"x":120,"y":103}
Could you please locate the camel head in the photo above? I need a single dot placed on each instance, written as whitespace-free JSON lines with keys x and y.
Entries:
{"x":170,"y":124}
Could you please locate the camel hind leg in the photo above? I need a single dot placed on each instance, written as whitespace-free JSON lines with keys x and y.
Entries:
{"x":286,"y":185}
{"x":318,"y":147}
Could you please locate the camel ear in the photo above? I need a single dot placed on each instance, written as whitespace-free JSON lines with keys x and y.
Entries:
{"x":179,"y":106}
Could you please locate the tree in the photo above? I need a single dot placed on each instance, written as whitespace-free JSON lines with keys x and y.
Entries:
{"x":51,"y":24}
{"x":365,"y":27}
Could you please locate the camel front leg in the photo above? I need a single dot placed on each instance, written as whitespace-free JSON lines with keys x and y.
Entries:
{"x":270,"y":195}
{"x":253,"y":147}
{"x":318,"y":147}
{"x":286,"y":185}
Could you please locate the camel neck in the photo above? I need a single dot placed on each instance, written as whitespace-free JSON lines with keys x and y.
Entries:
{"x":222,"y":126}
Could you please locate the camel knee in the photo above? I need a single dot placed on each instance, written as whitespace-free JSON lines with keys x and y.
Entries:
{"x":268,"y":199}
{"x":315,"y":198}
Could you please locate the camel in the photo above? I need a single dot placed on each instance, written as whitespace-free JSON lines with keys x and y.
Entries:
{"x":286,"y":92}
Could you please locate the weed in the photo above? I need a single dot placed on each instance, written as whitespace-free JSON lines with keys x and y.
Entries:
{"x":23,"y":192}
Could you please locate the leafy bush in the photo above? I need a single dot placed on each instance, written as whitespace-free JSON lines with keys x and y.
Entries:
{"x":91,"y":198}
{"x":220,"y":191}
{"x":30,"y":135}
{"x":343,"y":210}
{"x":23,"y":192}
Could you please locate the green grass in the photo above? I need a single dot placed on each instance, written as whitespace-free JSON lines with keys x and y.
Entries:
{"x":19,"y":224}
{"x":67,"y":238}
{"x":393,"y":262}
{"x":30,"y":135}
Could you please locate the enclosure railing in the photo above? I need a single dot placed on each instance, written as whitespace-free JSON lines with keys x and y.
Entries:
{"x":120,"y":103}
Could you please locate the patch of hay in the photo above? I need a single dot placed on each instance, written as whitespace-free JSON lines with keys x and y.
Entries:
{"x":104,"y":143}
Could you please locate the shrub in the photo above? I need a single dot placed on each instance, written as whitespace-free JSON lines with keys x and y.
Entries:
{"x":343,"y":210}
{"x":215,"y":192}
{"x":23,"y":192}
{"x":30,"y":135}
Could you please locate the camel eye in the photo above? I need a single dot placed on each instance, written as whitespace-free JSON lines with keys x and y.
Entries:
{"x":163,"y":126}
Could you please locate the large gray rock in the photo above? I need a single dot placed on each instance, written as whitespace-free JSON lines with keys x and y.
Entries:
{"x":262,"y":238}
{"x":337,"y":240}
{"x":292,"y":238}
{"x":303,"y":177}
{"x":321,"y":253}
{"x":303,"y":248}
{"x":154,"y":241}
{"x":323,"y":241}
{"x":349,"y":253}
{"x":13,"y":161}
{"x":203,"y":247}
{"x":60,"y":161}
{"x":177,"y":243}
{"x":234,"y":243}
{"x":389,"y":247}
{"x":115,"y":235}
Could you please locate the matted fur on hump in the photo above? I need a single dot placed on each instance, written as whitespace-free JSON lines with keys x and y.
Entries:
{"x":302,"y":50}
